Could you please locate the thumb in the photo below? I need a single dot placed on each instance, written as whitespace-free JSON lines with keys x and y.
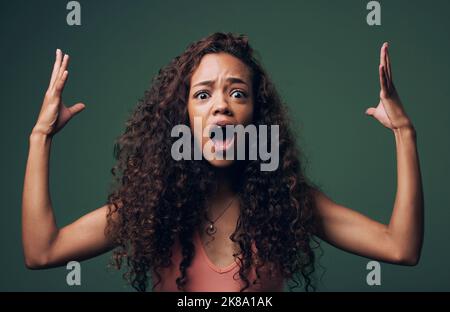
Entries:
{"x":370,"y":111}
{"x":75,"y":109}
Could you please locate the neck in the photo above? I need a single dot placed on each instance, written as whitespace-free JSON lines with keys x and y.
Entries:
{"x":224,"y":192}
{"x":227,"y":181}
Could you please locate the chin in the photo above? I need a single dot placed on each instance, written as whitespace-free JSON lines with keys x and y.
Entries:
{"x":218,"y":163}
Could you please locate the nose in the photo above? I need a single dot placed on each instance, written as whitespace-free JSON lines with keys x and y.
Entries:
{"x":221,"y":106}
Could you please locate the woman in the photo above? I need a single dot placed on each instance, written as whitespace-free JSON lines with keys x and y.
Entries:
{"x":215,"y":224}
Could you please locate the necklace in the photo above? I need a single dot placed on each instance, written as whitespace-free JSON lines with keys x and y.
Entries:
{"x":211,"y":228}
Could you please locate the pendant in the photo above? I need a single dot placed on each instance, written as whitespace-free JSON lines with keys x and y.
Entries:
{"x":211,"y":229}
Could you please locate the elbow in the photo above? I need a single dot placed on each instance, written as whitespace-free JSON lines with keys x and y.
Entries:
{"x":32,"y":265}
{"x":406,"y":253}
{"x":407,"y":259}
{"x":35,"y":263}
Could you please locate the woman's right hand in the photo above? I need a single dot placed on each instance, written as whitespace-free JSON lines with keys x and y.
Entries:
{"x":54,"y":115}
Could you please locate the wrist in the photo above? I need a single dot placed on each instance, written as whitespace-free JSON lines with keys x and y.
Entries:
{"x":405,"y":131}
{"x":38,"y":135}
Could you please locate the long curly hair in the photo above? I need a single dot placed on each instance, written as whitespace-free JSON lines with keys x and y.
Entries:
{"x":155,"y":199}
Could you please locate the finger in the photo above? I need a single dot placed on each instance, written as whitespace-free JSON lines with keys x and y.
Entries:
{"x":385,"y":69}
{"x":383,"y":55}
{"x":63,"y":67}
{"x":60,"y":83}
{"x":56,"y":66}
{"x":383,"y":80}
{"x":370,"y":111}
{"x":388,"y":64}
{"x":75,"y":109}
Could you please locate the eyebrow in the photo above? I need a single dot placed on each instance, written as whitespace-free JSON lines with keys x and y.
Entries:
{"x":211,"y":82}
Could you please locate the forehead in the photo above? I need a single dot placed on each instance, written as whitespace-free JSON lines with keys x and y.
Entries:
{"x":220,"y":65}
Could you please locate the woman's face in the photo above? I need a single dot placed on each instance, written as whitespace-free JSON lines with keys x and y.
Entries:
{"x":221,"y":93}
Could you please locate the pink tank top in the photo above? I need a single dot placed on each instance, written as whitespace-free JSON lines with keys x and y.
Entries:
{"x":203,"y":275}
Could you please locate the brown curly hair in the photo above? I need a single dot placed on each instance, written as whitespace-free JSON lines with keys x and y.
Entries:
{"x":158,"y":200}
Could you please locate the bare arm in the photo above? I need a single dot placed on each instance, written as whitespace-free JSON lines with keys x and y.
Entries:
{"x":401,"y":240}
{"x":44,"y":244}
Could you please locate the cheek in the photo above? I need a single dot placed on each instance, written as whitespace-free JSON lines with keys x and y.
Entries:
{"x":196,"y":110}
{"x":196,"y":115}
{"x":192,"y":113}
{"x":246,"y":114}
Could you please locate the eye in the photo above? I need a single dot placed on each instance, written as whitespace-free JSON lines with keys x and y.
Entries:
{"x":201,"y":95}
{"x":238,"y":94}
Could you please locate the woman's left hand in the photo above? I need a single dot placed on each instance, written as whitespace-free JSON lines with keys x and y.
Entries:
{"x":389,"y":111}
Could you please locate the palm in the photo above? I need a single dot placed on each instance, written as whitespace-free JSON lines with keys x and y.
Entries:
{"x":64,"y":115}
{"x":54,"y":115}
{"x":381,"y":115}
{"x":389,"y":111}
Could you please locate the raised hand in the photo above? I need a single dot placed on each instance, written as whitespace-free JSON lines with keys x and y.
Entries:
{"x":54,"y":115}
{"x":389,"y":111}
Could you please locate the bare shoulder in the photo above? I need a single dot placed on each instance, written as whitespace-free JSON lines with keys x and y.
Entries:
{"x":321,"y":200}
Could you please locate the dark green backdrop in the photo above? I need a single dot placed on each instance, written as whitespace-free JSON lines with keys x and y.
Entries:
{"x":323,"y":58}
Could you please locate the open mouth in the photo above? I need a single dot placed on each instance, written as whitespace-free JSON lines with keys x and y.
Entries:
{"x":221,"y":138}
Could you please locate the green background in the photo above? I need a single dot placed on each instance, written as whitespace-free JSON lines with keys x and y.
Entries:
{"x":323,"y":58}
